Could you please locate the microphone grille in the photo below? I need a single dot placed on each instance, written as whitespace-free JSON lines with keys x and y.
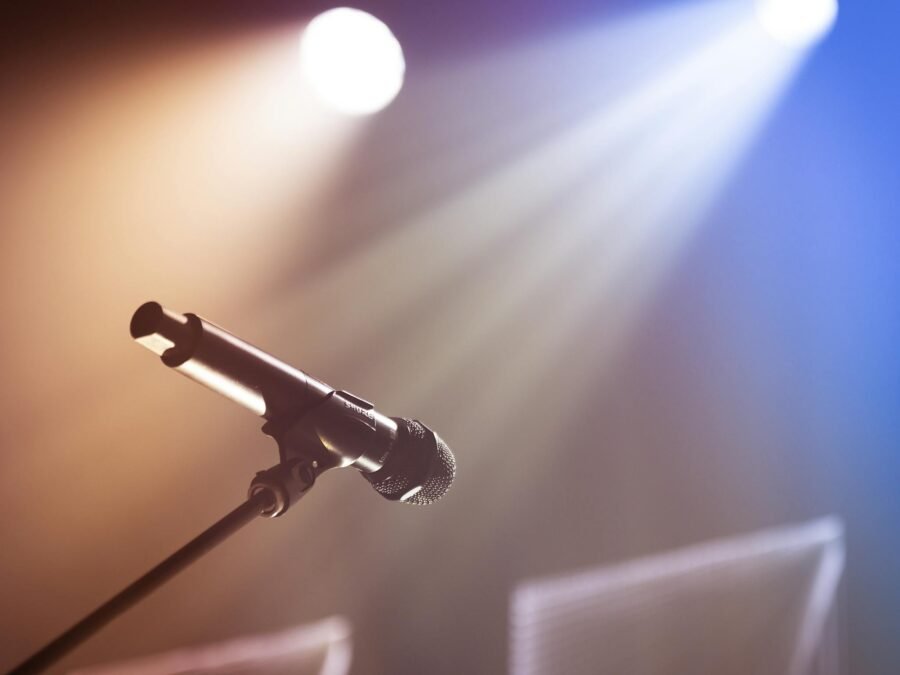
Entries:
{"x":419,"y":470}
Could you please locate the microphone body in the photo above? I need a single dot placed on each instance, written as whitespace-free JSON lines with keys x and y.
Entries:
{"x":402,"y":459}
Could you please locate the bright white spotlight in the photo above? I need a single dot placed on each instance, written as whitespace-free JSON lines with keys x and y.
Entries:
{"x":352,"y":61}
{"x":797,"y":23}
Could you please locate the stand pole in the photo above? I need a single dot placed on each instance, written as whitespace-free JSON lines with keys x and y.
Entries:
{"x":260,"y":501}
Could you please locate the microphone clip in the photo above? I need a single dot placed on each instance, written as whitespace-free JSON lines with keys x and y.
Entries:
{"x":286,"y":483}
{"x":305,"y":448}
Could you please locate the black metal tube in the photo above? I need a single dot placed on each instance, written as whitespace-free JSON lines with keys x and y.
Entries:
{"x":129,"y":596}
{"x":339,"y":429}
{"x":226,"y":364}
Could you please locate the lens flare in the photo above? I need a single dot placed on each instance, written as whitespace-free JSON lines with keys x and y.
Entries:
{"x":352,"y":61}
{"x":797,"y":23}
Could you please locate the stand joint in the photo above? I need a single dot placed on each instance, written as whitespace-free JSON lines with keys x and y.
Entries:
{"x":286,"y":483}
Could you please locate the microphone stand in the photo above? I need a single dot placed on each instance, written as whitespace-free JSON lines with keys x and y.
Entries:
{"x":296,"y":408}
{"x":271,"y":493}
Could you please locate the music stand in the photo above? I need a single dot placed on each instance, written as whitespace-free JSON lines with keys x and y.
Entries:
{"x":322,"y":648}
{"x":762,"y":604}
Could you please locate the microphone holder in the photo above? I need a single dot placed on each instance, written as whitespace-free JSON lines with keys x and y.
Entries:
{"x":271,"y":493}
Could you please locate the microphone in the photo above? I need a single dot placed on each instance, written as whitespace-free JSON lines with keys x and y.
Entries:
{"x":403,"y":459}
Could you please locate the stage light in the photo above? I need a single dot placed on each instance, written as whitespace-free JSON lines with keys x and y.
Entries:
{"x":352,"y":61}
{"x":797,"y":23}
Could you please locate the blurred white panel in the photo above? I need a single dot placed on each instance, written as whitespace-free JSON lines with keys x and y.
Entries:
{"x":322,"y":648}
{"x":761,"y":604}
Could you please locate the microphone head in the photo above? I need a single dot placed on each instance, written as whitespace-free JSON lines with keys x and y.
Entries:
{"x":419,"y":468}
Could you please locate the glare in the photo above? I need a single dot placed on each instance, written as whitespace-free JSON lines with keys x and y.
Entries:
{"x":797,"y":23}
{"x":352,"y":61}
